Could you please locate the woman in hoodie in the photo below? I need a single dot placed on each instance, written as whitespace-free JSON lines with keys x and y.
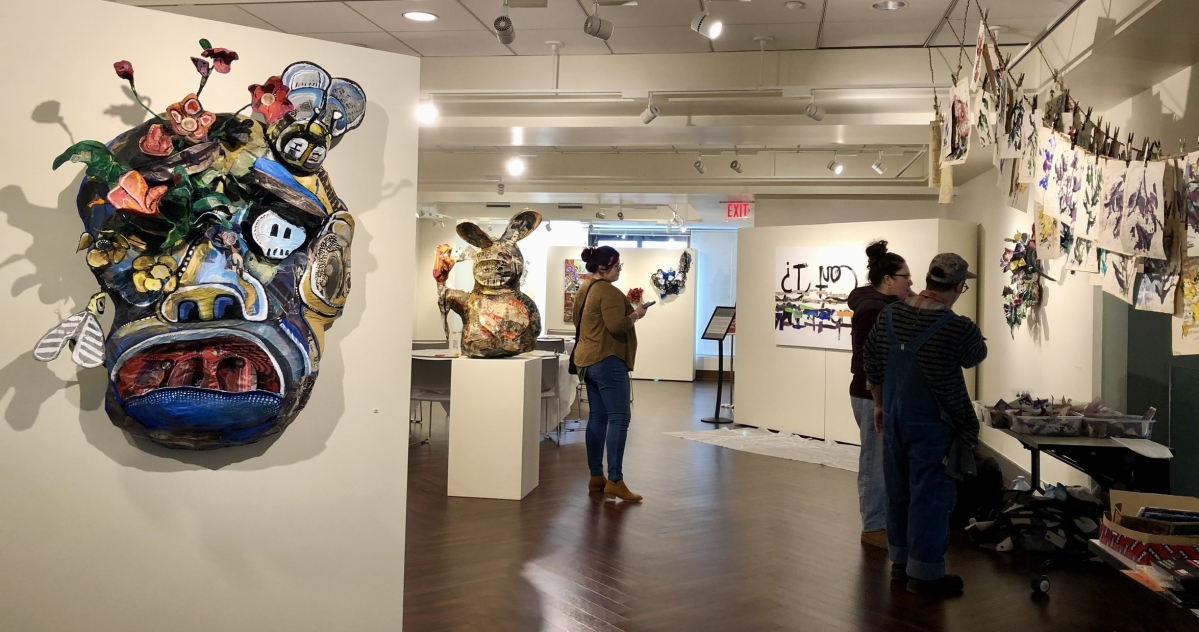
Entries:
{"x":890,"y":280}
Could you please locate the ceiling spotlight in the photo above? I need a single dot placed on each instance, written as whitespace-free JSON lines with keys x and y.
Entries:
{"x":599,"y":215}
{"x":878,"y":165}
{"x":735,"y":166}
{"x":548,"y":228}
{"x":651,"y":112}
{"x":835,"y":166}
{"x":420,"y":16}
{"x":699,"y":166}
{"x":794,"y":4}
{"x":890,"y":5}
{"x":596,"y":27}
{"x":620,"y":215}
{"x":515,"y":166}
{"x":505,"y":31}
{"x":704,"y":24}
{"x":499,"y":188}
{"x":814,"y":112}
{"x":426,"y":113}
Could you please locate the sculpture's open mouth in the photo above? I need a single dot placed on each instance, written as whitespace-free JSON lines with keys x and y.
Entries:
{"x":230,"y":364}
{"x":494,"y":273}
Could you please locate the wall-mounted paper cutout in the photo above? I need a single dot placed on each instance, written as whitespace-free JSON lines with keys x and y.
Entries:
{"x":672,"y":281}
{"x":219,"y":328}
{"x":811,"y":286}
{"x":1144,"y":210}
{"x":1023,"y":292}
{"x":576,"y":275}
{"x":1111,"y":224}
{"x":498,"y":320}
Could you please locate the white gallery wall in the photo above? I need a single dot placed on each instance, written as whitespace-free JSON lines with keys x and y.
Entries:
{"x":806,"y":390}
{"x":715,"y":286}
{"x":666,"y":336}
{"x":303,"y":532}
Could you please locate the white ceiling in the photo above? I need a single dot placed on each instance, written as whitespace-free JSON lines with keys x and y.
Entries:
{"x":463,"y":27}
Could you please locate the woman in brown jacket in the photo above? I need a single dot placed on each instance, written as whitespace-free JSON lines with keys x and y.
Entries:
{"x":604,"y":352}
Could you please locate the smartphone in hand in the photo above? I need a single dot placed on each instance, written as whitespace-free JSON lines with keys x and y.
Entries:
{"x":649,"y":304}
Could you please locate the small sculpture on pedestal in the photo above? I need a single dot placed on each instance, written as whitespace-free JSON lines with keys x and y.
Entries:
{"x":498,"y":320}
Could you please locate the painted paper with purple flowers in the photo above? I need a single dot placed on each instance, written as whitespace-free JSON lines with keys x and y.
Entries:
{"x":1043,"y":174}
{"x":1111,"y":221}
{"x":1145,"y":210}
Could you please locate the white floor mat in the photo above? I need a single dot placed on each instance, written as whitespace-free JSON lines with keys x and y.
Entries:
{"x":779,"y":444}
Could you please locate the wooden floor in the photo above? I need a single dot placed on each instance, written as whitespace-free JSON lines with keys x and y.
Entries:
{"x":724,"y":541}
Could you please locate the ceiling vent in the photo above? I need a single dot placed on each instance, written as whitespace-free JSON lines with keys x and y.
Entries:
{"x":570,"y":207}
{"x":498,"y":205}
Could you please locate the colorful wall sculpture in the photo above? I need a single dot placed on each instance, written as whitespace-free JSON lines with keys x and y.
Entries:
{"x":225,"y":252}
{"x":498,"y":320}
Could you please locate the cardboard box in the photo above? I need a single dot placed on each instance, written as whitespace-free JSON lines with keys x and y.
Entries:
{"x":1141,"y":547}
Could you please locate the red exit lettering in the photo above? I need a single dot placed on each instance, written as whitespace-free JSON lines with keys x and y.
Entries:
{"x":739,"y":210}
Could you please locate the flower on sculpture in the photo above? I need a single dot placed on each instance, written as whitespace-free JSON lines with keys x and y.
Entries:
{"x":133,"y":194}
{"x":106,"y":249}
{"x":156,"y":142}
{"x":270,"y":99}
{"x":222,"y":58}
{"x":189,"y":119}
{"x":202,"y":66}
{"x":154,"y":274}
{"x":124,"y":70}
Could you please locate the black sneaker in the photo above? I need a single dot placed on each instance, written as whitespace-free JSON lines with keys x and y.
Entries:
{"x":899,"y":573}
{"x":947,"y":586}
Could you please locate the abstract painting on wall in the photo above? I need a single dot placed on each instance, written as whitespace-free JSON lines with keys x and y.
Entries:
{"x":1190,"y":201}
{"x":1111,"y":223}
{"x":1144,"y":210}
{"x":1119,"y":271}
{"x":811,"y":287}
{"x":498,"y":320}
{"x":225,"y":251}
{"x":576,"y":275}
{"x":1185,"y":327}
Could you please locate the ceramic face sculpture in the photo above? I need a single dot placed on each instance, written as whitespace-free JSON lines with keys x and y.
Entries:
{"x":497,"y":318}
{"x":225,"y":251}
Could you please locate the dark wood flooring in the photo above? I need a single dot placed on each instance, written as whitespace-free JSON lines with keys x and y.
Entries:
{"x":724,"y":541}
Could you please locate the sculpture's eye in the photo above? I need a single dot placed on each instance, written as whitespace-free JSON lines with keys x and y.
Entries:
{"x":294,"y":149}
{"x":277,"y":237}
{"x":331,"y":269}
{"x":315,"y":158}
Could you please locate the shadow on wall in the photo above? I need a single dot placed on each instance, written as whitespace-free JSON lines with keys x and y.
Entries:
{"x":63,"y":283}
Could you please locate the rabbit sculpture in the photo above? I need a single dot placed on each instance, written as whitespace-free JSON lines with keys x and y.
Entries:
{"x":498,"y":320}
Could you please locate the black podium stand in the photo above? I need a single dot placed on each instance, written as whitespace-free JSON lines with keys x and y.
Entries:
{"x":718,"y":330}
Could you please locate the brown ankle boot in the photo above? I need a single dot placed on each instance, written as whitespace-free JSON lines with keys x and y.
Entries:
{"x":596,"y":484}
{"x":621,"y":491}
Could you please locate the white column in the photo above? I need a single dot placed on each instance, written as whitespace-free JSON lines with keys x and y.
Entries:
{"x":494,"y":438}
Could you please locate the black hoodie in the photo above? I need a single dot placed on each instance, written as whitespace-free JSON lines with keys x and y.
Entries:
{"x":867,"y":303}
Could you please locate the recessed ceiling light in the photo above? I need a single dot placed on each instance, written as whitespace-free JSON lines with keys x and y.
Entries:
{"x":422,"y":16}
{"x":890,"y":5}
{"x":793,"y":4}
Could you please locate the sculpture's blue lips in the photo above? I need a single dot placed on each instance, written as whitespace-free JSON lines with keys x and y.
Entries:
{"x":189,"y":407}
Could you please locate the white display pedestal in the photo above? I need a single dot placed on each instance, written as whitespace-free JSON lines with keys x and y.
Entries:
{"x":494,"y":447}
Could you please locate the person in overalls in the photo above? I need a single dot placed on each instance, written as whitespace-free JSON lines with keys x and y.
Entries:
{"x":913,"y":360}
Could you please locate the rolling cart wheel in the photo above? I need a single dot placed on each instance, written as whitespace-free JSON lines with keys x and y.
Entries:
{"x":1040,"y":585}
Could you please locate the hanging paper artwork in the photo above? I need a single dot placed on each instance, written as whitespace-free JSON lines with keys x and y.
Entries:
{"x":1011,"y":145}
{"x":225,"y":251}
{"x":1144,"y":210}
{"x":1048,"y":236}
{"x":1046,"y":147}
{"x":812,"y":286}
{"x":1029,"y":162}
{"x":983,"y":115}
{"x":576,"y":274}
{"x":1190,"y":201}
{"x":979,"y":72}
{"x":498,"y":320}
{"x":1022,"y":295}
{"x":1158,"y":281}
{"x":1119,"y":272}
{"x":958,"y":132}
{"x":1067,"y":173}
{"x":1083,"y":257}
{"x":1111,"y":224}
{"x":1185,"y":327}
{"x":1088,"y":224}
{"x":1065,"y":241}
{"x":672,"y":282}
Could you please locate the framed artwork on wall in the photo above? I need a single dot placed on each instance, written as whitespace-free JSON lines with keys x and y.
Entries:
{"x":812,"y":285}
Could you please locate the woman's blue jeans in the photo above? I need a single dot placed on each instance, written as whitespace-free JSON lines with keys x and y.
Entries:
{"x":608,"y":425}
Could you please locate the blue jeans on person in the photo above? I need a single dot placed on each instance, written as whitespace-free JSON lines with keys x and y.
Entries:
{"x":608,"y":424}
{"x":872,"y":489}
{"x":916,"y":440}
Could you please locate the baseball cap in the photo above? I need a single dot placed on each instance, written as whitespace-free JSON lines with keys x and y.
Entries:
{"x":949,"y":267}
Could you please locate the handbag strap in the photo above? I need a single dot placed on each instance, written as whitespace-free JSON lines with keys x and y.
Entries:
{"x":582,"y":307}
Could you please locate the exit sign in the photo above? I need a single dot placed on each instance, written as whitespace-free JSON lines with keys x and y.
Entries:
{"x":739,"y":210}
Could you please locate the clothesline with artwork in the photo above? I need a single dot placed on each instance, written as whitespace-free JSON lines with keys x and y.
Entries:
{"x":1130,"y":217}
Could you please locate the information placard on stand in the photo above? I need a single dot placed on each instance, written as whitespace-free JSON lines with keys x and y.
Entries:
{"x":718,"y":329}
